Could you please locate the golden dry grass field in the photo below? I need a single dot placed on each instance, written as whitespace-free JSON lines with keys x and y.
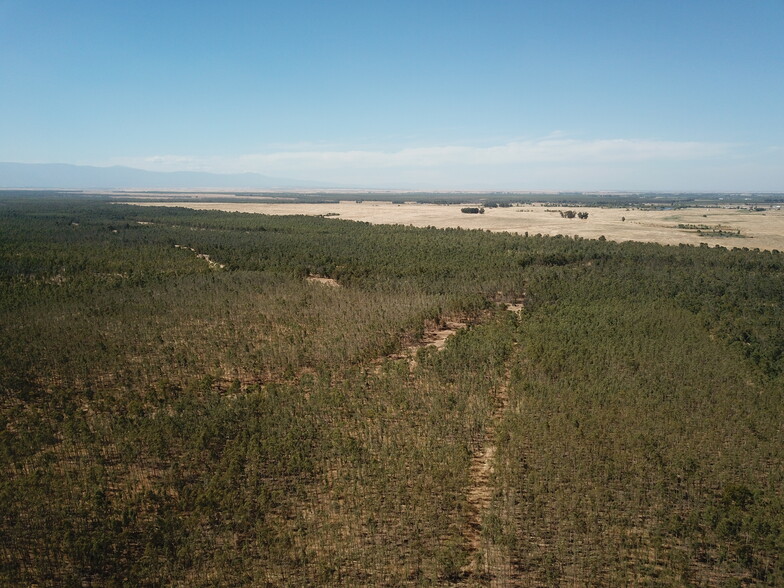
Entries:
{"x":728,"y":227}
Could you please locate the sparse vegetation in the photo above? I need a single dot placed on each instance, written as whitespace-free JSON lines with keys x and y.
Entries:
{"x":206,"y":414}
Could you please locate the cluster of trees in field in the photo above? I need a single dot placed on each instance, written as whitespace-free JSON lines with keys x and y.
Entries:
{"x":166,"y":420}
{"x":573,"y":214}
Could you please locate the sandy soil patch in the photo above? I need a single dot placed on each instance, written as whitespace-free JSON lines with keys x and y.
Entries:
{"x":762,"y":230}
{"x":323,"y":281}
{"x":437,"y":337}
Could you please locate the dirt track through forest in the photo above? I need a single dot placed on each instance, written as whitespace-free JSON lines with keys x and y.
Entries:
{"x":204,"y":256}
{"x":489,"y":564}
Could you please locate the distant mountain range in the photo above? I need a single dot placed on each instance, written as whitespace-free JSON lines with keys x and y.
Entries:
{"x":86,"y":177}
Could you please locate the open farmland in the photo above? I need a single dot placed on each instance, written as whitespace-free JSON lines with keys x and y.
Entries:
{"x":728,"y":227}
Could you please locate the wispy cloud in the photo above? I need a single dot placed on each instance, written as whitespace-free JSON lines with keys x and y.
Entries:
{"x":515,"y":152}
{"x":550,"y":150}
{"x":556,"y":161}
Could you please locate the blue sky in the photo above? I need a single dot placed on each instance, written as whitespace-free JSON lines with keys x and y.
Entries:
{"x":553,"y":95}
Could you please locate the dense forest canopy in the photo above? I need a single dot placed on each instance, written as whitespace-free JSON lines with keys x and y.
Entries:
{"x":181,"y":405}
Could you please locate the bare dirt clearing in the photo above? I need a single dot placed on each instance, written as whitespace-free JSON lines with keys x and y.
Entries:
{"x":714,"y":226}
{"x":435,"y":336}
{"x":332,"y":283}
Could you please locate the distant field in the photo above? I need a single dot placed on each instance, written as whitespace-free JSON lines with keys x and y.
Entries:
{"x":714,"y":226}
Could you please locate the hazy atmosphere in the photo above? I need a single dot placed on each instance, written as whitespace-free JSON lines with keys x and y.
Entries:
{"x":561,"y":95}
